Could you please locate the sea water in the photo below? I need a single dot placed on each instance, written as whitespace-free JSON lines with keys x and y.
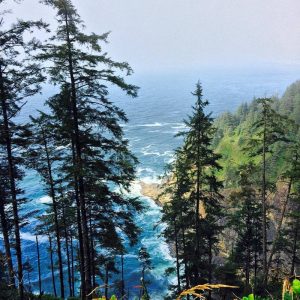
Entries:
{"x":164,"y":100}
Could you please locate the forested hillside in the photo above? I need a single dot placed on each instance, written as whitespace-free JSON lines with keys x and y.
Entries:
{"x":233,"y":188}
{"x":233,"y":130}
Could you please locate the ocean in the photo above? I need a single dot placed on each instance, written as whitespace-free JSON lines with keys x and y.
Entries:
{"x":164,"y":100}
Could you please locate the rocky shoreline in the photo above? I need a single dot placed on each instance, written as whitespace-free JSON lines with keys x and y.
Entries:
{"x":154,"y":191}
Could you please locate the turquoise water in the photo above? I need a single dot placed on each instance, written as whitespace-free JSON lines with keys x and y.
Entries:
{"x":155,"y":116}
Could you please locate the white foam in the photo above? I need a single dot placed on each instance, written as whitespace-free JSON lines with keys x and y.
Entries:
{"x":63,"y":147}
{"x":129,"y":255}
{"x":164,"y":248}
{"x":141,"y":170}
{"x":135,"y":189}
{"x":155,"y":124}
{"x":179,"y":126}
{"x":45,"y":200}
{"x":27,"y":236}
{"x":154,"y":131}
{"x":134,"y":140}
{"x":172,"y":159}
{"x":147,"y":151}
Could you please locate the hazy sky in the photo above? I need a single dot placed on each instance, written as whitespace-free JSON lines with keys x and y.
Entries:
{"x":160,"y":34}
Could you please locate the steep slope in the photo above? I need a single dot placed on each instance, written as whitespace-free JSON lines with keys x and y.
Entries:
{"x":234,"y":129}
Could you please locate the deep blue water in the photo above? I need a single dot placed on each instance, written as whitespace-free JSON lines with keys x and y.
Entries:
{"x":155,"y":116}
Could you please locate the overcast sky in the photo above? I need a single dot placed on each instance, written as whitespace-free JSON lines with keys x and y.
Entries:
{"x":176,"y":34}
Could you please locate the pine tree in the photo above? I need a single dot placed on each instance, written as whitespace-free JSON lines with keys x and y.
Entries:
{"x":144,"y":258}
{"x":194,"y":212}
{"x":291,"y":176}
{"x":266,"y":132}
{"x":52,"y":265}
{"x":247,"y":221}
{"x":96,"y":159}
{"x":27,"y":268}
{"x":43,"y":156}
{"x":19,"y":79}
{"x":204,"y":193}
{"x":6,"y":219}
{"x":291,"y":229}
{"x":38,"y":264}
{"x":292,"y":234}
{"x":178,"y":213}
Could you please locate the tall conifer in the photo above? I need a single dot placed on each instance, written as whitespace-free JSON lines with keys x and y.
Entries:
{"x":266,"y":132}
{"x":96,"y":159}
{"x":19,"y":79}
{"x":194,"y":212}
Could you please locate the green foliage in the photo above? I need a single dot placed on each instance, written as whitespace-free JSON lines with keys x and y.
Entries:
{"x":296,"y":286}
{"x":8,"y":293}
{"x":250,"y":297}
{"x":234,"y":130}
{"x":193,"y":215}
{"x":20,"y":79}
{"x":246,"y":221}
{"x":287,"y":296}
{"x":144,"y":258}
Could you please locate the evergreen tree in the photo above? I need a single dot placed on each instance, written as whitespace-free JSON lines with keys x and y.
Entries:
{"x":38,"y":264}
{"x":178,"y":213}
{"x":194,"y":212}
{"x":19,"y":79}
{"x":292,"y":234}
{"x":145,"y":261}
{"x":266,"y":132}
{"x":7,"y":291}
{"x":291,"y":178}
{"x":43,"y":156}
{"x":96,"y":160}
{"x":291,"y":231}
{"x":28,"y":269}
{"x":201,"y":161}
{"x":5,"y":215}
{"x":246,"y":221}
{"x":52,"y":265}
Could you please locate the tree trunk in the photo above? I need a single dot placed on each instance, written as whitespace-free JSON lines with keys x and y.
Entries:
{"x":255,"y":264}
{"x":86,"y":252}
{"x":39,"y":265}
{"x":78,"y":219}
{"x":198,"y":205}
{"x":177,"y":257}
{"x":294,"y":253}
{"x":5,"y":232}
{"x":67,"y":250}
{"x":93,"y":269}
{"x":56,"y":222}
{"x":264,"y":206}
{"x":247,"y":268}
{"x":186,"y":271}
{"x":248,"y":251}
{"x":277,"y":234}
{"x":52,"y":266}
{"x":79,"y":229}
{"x":122,"y":278}
{"x":72,"y":265}
{"x":106,"y":282}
